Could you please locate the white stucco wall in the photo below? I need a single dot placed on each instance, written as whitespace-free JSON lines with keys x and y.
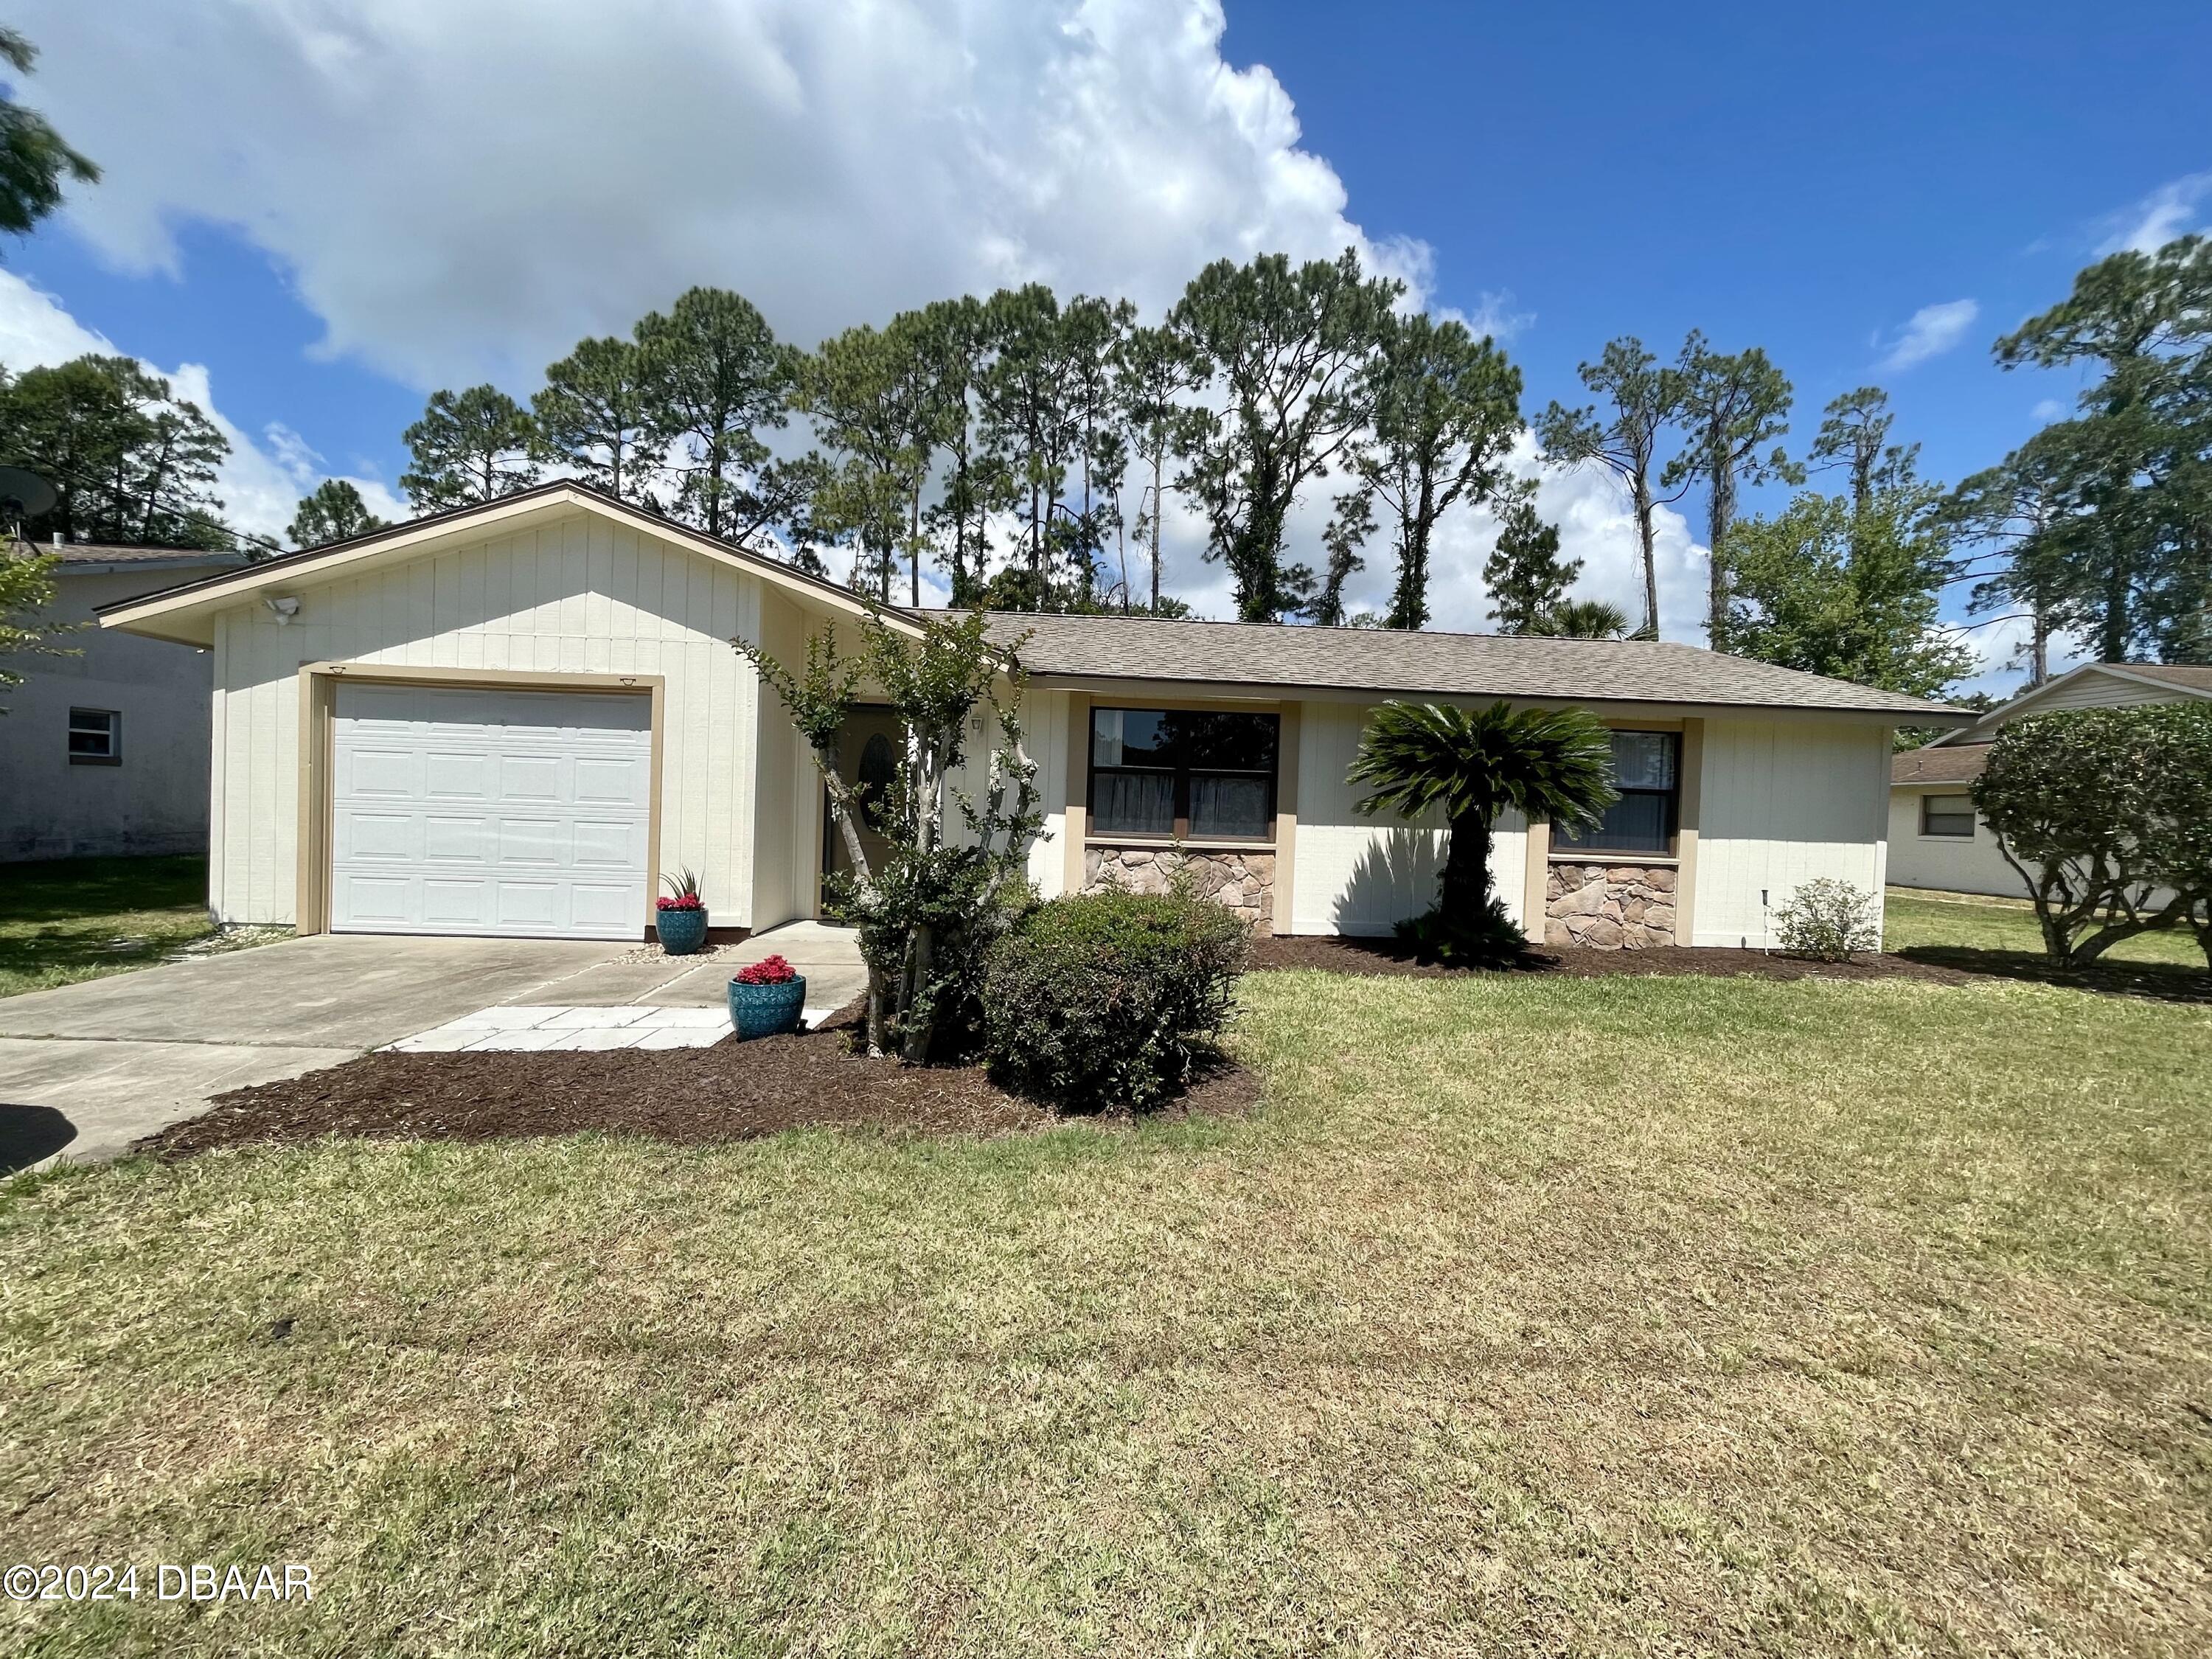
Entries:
{"x":157,"y":800}
{"x":1782,"y":801}
{"x":578,"y":595}
{"x":1951,"y":863}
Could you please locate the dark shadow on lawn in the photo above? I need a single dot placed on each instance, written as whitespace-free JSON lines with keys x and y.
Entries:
{"x":2160,"y":981}
{"x":29,"y":1134}
{"x":68,"y":889}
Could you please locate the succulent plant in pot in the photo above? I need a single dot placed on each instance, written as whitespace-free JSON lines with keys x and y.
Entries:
{"x":766,"y":997}
{"x":680,"y":918}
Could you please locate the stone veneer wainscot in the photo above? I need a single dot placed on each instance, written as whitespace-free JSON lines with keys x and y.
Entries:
{"x":1245,"y":881}
{"x":1610,"y":907}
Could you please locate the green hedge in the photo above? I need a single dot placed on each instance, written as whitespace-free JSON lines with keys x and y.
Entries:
{"x":1109,"y":999}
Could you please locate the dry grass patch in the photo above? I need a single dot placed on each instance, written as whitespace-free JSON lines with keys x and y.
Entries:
{"x":1660,"y":1315}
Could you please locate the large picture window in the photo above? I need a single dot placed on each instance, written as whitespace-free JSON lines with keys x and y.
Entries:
{"x":1166,"y":772}
{"x":1647,"y":770}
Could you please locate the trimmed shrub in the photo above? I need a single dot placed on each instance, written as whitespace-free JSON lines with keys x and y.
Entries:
{"x":1109,"y":999}
{"x":1828,"y":920}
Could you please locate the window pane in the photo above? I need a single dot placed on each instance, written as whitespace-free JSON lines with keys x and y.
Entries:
{"x":1134,"y":802}
{"x":1132,"y":737}
{"x":1643,"y":759}
{"x":1948,"y":815}
{"x":1637,"y":822}
{"x":1223,"y":806}
{"x":87,"y":743}
{"x":1229,"y":743}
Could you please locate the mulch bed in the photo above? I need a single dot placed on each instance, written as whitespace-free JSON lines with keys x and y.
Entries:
{"x":1388,"y":955}
{"x":731,"y":1091}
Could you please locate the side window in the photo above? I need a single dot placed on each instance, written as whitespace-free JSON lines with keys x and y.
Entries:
{"x":95,"y":737}
{"x":1948,"y":815}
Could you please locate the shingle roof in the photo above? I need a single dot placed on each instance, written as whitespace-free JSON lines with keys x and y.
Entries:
{"x":71,"y":553}
{"x":1958,"y":763}
{"x":2196,"y":678}
{"x":1429,"y":664}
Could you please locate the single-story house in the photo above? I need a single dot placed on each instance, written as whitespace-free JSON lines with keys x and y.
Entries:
{"x":105,"y":750}
{"x":510,"y":718}
{"x":1936,"y":839}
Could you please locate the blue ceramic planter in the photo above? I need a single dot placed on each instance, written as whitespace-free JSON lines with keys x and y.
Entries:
{"x":682,"y":932}
{"x":759,"y":1010}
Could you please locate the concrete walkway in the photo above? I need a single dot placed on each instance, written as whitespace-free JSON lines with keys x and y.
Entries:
{"x":86,"y":1070}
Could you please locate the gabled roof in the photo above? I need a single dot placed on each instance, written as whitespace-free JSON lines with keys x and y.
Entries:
{"x":1958,"y":763}
{"x":186,"y":611}
{"x":2175,"y":681}
{"x":1393,"y":662}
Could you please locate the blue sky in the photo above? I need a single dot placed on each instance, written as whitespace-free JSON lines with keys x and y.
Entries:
{"x":332,"y":219}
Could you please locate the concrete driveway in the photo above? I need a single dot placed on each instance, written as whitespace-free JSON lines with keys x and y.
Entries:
{"x":86,"y":1070}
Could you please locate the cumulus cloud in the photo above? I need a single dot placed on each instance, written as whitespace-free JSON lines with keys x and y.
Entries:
{"x":460,"y":192}
{"x":263,"y":478}
{"x":1932,"y":331}
{"x":463,"y":191}
{"x":2174,"y":208}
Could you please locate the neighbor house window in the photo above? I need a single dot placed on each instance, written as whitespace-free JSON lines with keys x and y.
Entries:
{"x":1948,"y":815}
{"x":1169,"y":772}
{"x":1646,"y":769}
{"x":95,"y":737}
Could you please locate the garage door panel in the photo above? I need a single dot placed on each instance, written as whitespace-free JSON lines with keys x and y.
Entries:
{"x":609,"y":779}
{"x":376,"y":901}
{"x":380,"y":837}
{"x":394,"y":773}
{"x":451,"y":776}
{"x":450,"y":840}
{"x":534,"y":905}
{"x":563,"y":780}
{"x":451,"y":902}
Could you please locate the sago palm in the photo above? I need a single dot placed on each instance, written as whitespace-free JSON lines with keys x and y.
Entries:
{"x":1582,"y":619}
{"x":1472,"y":764}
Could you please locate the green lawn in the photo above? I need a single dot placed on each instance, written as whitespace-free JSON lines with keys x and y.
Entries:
{"x":77,"y":919}
{"x":1969,"y":921}
{"x":1529,"y":1315}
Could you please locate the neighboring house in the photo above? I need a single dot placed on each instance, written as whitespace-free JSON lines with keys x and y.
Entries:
{"x":105,"y":750}
{"x":1936,"y":838}
{"x":510,"y":718}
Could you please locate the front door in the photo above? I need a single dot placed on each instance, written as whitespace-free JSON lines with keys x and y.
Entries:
{"x":867,"y":759}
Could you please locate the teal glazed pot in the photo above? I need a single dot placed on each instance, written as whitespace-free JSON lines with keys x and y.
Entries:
{"x":758,"y":1010}
{"x":682,"y":932}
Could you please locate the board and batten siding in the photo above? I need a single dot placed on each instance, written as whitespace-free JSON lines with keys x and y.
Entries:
{"x":1361,"y":876}
{"x":580,"y":595}
{"x":1782,"y":802}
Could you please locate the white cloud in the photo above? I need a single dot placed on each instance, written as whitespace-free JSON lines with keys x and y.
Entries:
{"x":2170,"y":210}
{"x":1932,"y":331}
{"x":2048,"y":409}
{"x":261,"y":481}
{"x":462,"y":192}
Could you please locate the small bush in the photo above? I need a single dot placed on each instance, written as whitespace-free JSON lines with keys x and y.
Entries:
{"x":1109,"y":999}
{"x":1828,"y":920}
{"x":1488,"y":939}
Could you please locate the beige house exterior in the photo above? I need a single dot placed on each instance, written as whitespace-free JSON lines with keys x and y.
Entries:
{"x":514,"y":717}
{"x":1936,"y":839}
{"x":103,"y":748}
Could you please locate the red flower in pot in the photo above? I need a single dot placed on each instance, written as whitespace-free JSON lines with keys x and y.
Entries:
{"x":766,"y":997}
{"x":680,"y":918}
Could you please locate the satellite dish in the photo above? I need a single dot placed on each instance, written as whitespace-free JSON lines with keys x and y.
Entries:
{"x":24,"y":496}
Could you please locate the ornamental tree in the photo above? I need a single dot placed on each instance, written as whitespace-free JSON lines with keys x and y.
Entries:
{"x":1473,"y":765}
{"x":930,"y":907}
{"x":2105,"y":813}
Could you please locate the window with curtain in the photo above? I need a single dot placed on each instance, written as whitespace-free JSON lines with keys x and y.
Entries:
{"x":1165,"y":771}
{"x":1948,"y":815}
{"x":1646,"y":769}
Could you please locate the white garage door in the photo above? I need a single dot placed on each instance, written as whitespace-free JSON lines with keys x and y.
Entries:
{"x":501,"y":812}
